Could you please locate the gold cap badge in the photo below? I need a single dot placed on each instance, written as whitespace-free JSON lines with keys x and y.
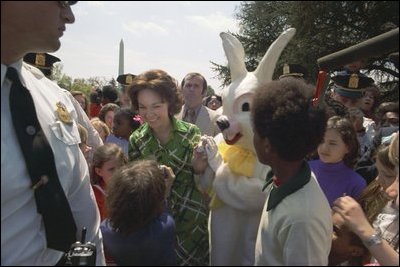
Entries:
{"x":129,"y":79}
{"x":63,"y":113}
{"x":286,"y":69}
{"x":40,"y":59}
{"x":353,"y":81}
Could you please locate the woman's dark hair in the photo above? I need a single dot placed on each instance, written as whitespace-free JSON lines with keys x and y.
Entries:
{"x":162,"y":84}
{"x":135,"y":195}
{"x":282,"y":113}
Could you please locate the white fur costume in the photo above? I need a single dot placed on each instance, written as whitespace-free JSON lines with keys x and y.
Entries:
{"x":233,"y":225}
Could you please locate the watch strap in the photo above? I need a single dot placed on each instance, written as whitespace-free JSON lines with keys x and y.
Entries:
{"x":374,"y":239}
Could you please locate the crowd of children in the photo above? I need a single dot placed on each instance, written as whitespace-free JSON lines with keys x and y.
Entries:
{"x":344,"y":148}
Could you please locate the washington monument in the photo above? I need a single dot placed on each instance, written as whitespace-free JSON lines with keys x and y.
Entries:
{"x":121,"y":58}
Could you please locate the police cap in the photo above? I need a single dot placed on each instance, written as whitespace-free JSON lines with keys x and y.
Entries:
{"x":293,"y":70}
{"x":351,"y":85}
{"x":126,"y":79}
{"x":41,"y":60}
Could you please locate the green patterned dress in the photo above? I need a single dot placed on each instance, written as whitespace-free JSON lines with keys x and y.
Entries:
{"x":185,"y":203}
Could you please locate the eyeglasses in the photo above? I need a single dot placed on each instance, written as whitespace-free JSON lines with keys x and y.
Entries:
{"x":67,"y":3}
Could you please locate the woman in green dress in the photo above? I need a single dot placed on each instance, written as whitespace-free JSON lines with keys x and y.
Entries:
{"x":154,"y":94}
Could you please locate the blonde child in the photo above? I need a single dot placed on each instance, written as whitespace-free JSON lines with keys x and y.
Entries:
{"x":85,"y":148}
{"x":101,"y":128}
{"x":337,"y":152}
{"x":106,"y":160}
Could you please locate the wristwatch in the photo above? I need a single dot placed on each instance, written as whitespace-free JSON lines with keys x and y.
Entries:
{"x":373,"y":240}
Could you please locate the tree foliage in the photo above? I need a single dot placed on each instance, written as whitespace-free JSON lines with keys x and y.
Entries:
{"x":323,"y":27}
{"x":210,"y":90}
{"x":79,"y":84}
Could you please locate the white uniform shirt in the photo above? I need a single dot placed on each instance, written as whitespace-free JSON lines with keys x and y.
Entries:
{"x":23,"y":239}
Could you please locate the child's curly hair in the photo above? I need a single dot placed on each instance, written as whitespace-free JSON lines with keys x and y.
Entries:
{"x":282,"y":113}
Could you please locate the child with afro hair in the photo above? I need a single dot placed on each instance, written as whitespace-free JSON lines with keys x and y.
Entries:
{"x":296,"y":224}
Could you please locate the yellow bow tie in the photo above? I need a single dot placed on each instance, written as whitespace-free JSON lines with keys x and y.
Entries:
{"x":240,"y":161}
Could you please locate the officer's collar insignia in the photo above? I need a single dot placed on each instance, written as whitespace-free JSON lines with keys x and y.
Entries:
{"x":63,"y":113}
{"x":40,"y":59}
{"x":353,"y":81}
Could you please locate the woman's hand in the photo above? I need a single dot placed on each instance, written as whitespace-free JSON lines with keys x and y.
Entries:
{"x":354,"y":217}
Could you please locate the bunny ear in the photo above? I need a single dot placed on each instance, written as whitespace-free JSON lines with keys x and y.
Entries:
{"x":266,"y":67}
{"x":235,"y":53}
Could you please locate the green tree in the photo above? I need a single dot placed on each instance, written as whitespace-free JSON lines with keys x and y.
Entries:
{"x":57,"y":75}
{"x":113,"y":82}
{"x":56,"y":72}
{"x":81,"y":85}
{"x":323,"y":27}
{"x":97,"y":82}
{"x":210,"y":90}
{"x":65,"y":82}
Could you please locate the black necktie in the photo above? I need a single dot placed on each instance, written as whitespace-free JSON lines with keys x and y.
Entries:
{"x":50,"y":197}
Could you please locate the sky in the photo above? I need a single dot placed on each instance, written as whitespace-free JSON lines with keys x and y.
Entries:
{"x":176,"y":36}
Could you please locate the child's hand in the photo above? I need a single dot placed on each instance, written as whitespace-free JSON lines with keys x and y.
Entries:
{"x":169,"y":178}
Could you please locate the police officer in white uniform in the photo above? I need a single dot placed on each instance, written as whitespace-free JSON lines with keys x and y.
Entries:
{"x":36,"y":27}
{"x":44,"y":62}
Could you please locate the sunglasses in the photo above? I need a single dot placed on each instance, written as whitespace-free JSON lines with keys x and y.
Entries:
{"x":67,"y":3}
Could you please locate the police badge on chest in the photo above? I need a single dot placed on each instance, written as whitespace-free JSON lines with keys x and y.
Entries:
{"x":63,"y":114}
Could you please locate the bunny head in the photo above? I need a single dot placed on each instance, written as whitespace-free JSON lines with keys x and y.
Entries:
{"x":235,"y":121}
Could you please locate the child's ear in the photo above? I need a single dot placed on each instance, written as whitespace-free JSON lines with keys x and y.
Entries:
{"x":98,"y":171}
{"x":266,"y":146}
